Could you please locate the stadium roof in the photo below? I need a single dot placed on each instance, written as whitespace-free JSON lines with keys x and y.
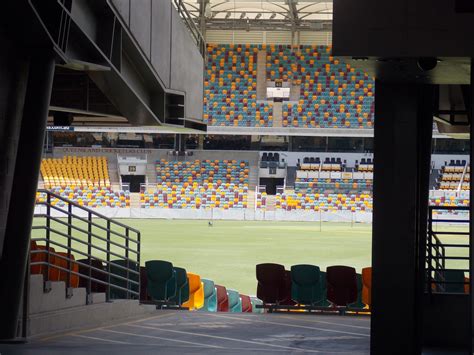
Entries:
{"x":291,"y":15}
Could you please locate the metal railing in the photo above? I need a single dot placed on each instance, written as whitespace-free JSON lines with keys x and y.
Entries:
{"x":447,"y":252}
{"x":191,"y":25}
{"x":81,"y":239}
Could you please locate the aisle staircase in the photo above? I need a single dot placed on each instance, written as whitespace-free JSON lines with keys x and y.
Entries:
{"x":271,"y":203}
{"x":253,"y":177}
{"x":262,"y":75}
{"x":134,"y":200}
{"x":251,"y":200}
{"x":277,"y":114}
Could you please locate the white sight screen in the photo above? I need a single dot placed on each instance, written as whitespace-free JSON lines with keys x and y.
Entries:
{"x":278,"y":93}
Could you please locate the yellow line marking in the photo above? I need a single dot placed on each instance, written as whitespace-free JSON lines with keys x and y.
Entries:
{"x":233,"y":339}
{"x":101,"y":339}
{"x":322,"y":322}
{"x":290,"y":325}
{"x":161,"y":338}
{"x":101,"y":328}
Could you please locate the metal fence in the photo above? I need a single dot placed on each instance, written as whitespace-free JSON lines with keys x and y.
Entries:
{"x":447,"y":250}
{"x":77,"y":244}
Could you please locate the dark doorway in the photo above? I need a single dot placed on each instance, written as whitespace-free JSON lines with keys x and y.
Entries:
{"x":134,"y":181}
{"x":271,"y":184}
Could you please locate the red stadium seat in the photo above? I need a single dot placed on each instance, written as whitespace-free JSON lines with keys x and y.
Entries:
{"x":96,"y":274}
{"x":287,"y":300}
{"x":143,"y":285}
{"x":246,"y":304}
{"x":222,"y":299}
{"x":271,"y":287}
{"x":341,"y":285}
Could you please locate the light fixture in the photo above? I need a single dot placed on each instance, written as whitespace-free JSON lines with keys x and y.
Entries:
{"x":242,"y":15}
{"x":228,"y":14}
{"x":258,"y":16}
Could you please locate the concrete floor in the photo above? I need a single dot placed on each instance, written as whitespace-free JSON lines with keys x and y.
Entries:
{"x":172,"y":332}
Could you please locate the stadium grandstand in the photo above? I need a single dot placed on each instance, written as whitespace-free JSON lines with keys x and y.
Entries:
{"x":236,"y":177}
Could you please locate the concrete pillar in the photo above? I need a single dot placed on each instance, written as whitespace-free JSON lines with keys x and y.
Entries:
{"x":20,"y":214}
{"x":402,"y":147}
{"x":471,"y":214}
{"x":13,"y":78}
{"x":180,"y":143}
{"x":201,"y":142}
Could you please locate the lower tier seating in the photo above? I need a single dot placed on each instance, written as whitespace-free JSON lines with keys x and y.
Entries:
{"x":89,"y":197}
{"x":324,"y":202}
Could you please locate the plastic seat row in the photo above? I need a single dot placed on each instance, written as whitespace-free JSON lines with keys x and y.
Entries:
{"x":339,"y":286}
{"x":324,"y":202}
{"x":163,"y":283}
{"x":310,"y":185}
{"x":81,"y":269}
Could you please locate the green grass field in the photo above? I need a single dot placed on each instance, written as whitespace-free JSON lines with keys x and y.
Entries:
{"x":228,"y":252}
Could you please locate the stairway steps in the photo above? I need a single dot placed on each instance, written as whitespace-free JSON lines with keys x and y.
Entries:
{"x":40,"y":301}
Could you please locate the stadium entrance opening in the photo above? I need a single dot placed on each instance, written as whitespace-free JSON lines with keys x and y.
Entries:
{"x":134,"y":181}
{"x":132,"y":169}
{"x":271,"y":184}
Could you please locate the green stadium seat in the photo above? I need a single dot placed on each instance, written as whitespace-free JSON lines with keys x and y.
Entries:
{"x":117,"y":268}
{"x":306,"y":284}
{"x":161,"y":280}
{"x":455,"y":279}
{"x":182,"y":286}
{"x":235,"y":303}
{"x":210,"y":296}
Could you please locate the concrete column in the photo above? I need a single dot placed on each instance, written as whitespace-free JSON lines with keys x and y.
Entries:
{"x":13,"y":78}
{"x":180,"y":143}
{"x":471,"y":214}
{"x":201,"y":142}
{"x":402,"y":148}
{"x":20,"y":215}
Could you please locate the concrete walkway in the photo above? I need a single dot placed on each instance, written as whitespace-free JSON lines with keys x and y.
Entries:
{"x":172,"y":332}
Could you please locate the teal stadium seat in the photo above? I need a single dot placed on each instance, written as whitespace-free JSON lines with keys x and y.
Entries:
{"x":235,"y":303}
{"x":161,"y":278}
{"x":210,"y":296}
{"x":306,"y":284}
{"x":256,"y":302}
